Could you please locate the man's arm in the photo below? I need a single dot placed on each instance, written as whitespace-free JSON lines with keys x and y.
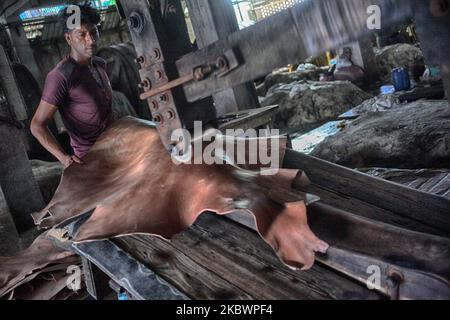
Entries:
{"x":40,"y":131}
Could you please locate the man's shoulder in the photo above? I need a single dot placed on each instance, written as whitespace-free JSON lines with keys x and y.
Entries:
{"x":65,"y":67}
{"x":99,"y":61}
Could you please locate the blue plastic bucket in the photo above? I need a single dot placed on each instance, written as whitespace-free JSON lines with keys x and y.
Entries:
{"x":400,"y":79}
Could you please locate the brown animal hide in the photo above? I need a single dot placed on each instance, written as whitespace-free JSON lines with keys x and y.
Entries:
{"x":134,"y":186}
{"x":42,"y":256}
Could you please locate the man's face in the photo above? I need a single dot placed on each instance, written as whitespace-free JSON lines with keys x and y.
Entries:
{"x":83,"y":40}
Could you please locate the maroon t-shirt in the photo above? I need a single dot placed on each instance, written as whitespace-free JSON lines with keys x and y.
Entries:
{"x":83,"y":101}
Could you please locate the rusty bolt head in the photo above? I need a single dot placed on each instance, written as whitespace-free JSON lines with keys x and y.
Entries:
{"x":163,"y":97}
{"x":221,"y":63}
{"x":170,"y":115}
{"x":159,"y":74}
{"x":140,"y":60}
{"x":395,"y":275}
{"x":147,"y":84}
{"x":156,"y":54}
{"x":198,"y":74}
{"x":157,"y":118}
{"x":154,"y":105}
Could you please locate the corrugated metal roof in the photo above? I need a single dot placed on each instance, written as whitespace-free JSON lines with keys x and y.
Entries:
{"x":48,"y":28}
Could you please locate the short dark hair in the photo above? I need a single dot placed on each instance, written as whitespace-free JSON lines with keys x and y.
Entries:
{"x":89,"y":15}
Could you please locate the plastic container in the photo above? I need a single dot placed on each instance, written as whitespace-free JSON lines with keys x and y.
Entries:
{"x":387,"y":90}
{"x":401,"y":80}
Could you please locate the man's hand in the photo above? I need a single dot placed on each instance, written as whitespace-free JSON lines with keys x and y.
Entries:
{"x":68,"y":160}
{"x":39,"y":129}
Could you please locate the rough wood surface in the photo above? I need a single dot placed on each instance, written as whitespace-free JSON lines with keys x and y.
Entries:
{"x":431,"y":181}
{"x":222,"y":259}
{"x":427,"y":209}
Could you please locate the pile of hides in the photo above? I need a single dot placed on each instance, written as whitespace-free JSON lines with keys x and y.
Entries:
{"x":305,"y":102}
{"x":134,"y":186}
{"x":410,"y":136}
{"x":41,"y":272}
{"x":310,"y":72}
{"x":395,"y":56}
{"x":379,"y":103}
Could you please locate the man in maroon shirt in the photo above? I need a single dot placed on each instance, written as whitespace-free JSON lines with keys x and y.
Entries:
{"x":79,"y":88}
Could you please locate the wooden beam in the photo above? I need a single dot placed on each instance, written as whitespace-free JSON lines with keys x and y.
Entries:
{"x":25,"y":53}
{"x":20,"y":188}
{"x":10,"y":88}
{"x":430,"y":210}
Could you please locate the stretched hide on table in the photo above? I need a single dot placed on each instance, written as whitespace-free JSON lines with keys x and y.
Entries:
{"x":134,"y":186}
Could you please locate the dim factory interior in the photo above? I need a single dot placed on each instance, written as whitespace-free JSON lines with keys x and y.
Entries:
{"x":358,"y":89}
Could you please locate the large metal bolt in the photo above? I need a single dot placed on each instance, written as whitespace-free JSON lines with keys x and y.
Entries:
{"x":163,"y":97}
{"x":140,"y":60}
{"x":156,"y":54}
{"x":199,"y":74}
{"x":222,"y":63}
{"x":136,"y":22}
{"x":157,"y":118}
{"x":154,"y":105}
{"x":170,"y":115}
{"x":159,"y":74}
{"x":147,"y":84}
{"x":394,"y":281}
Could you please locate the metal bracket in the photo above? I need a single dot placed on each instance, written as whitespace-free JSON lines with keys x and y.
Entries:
{"x":221,"y":66}
{"x":138,"y":280}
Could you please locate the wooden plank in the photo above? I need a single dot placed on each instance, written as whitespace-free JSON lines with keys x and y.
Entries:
{"x":370,"y":211}
{"x":428,"y":209}
{"x":240,"y":257}
{"x":178,"y":268}
{"x":249,"y":119}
